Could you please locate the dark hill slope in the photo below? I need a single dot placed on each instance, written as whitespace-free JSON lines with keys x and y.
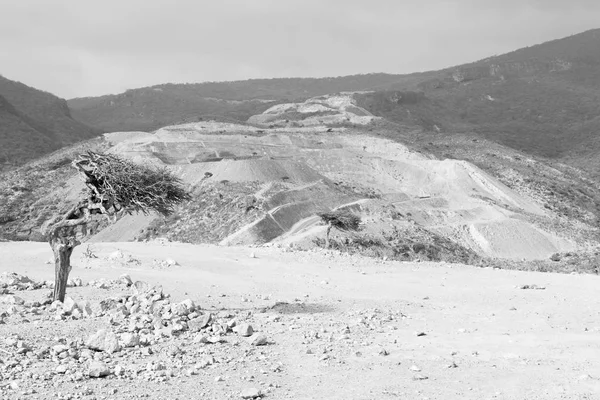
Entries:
{"x":544,"y":100}
{"x":33,"y":123}
{"x":19,"y":138}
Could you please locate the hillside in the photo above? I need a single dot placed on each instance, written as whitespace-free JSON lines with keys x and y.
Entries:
{"x":544,"y":100}
{"x":33,"y":123}
{"x":154,"y":107}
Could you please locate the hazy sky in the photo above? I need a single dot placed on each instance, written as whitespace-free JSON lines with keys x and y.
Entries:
{"x":85,"y":48}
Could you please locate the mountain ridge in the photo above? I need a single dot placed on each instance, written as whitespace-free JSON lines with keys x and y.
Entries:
{"x":543,"y":99}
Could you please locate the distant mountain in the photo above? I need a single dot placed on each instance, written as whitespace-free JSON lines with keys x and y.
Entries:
{"x":544,"y":100}
{"x":154,"y":107}
{"x":33,"y":123}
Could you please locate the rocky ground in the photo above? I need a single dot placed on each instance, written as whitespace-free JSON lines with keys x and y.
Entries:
{"x":171,"y":321}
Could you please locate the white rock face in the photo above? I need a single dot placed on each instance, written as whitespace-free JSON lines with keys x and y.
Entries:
{"x":329,"y":110}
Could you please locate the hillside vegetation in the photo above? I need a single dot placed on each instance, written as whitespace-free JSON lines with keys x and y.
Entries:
{"x":33,"y":123}
{"x":543,"y":100}
{"x":153,"y":107}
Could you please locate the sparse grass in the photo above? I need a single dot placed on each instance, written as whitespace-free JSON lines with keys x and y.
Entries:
{"x":409,"y":244}
{"x":572,"y":262}
{"x":215,"y":211}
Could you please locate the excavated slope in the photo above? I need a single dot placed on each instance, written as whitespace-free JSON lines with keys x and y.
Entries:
{"x":318,"y":166}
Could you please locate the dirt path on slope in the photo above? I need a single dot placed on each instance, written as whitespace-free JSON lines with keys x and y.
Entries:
{"x":349,"y":327}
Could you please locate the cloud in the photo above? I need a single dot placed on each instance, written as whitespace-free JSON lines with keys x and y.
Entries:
{"x":79,"y":47}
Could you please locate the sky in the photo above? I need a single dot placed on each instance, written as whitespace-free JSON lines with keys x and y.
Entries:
{"x":77,"y":48}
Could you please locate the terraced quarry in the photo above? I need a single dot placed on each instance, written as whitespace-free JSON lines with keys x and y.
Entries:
{"x":255,"y":185}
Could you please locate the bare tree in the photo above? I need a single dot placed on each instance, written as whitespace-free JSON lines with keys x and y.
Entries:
{"x":115,"y":186}
{"x":343,"y":219}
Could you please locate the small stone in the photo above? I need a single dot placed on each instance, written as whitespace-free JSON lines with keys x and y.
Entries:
{"x":12,"y":299}
{"x":130,"y":339}
{"x":219,"y":379}
{"x":244,"y":330}
{"x":258,"y":340}
{"x":103,"y":341}
{"x":421,"y":334}
{"x":252,"y":255}
{"x":251,"y":393}
{"x":141,"y":287}
{"x":199,"y":323}
{"x":215,"y":339}
{"x":126,"y":280}
{"x":59,"y":348}
{"x":189,"y":305}
{"x":420,"y":377}
{"x":69,"y":305}
{"x":86,"y":308}
{"x":200,"y":338}
{"x":171,"y":263}
{"x":98,"y":369}
{"x":384,"y":352}
{"x":12,"y":310}
{"x":415,"y":368}
{"x":146,"y":351}
{"x":61,"y":369}
{"x":173,"y":350}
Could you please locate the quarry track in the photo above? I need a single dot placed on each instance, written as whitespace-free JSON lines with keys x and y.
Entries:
{"x":395,"y":330}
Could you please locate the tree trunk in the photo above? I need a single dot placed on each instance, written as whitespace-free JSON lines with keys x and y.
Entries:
{"x":62,"y":248}
{"x":329,"y":226}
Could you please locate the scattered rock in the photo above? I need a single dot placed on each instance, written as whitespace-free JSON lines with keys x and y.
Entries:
{"x":103,"y":340}
{"x":126,"y":279}
{"x":12,"y":299}
{"x":199,"y":323}
{"x":69,"y":305}
{"x":258,"y":340}
{"x":170,"y":262}
{"x":251,"y":393}
{"x":116,"y":255}
{"x":61,"y":369}
{"x":18,"y":282}
{"x":130,"y":339}
{"x":98,"y":369}
{"x":141,"y":287}
{"x":533,"y":287}
{"x":244,"y":330}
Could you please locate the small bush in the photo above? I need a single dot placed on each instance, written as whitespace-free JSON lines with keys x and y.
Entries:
{"x":343,"y":219}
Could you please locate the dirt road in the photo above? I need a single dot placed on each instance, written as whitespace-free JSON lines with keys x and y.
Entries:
{"x":357,"y":328}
